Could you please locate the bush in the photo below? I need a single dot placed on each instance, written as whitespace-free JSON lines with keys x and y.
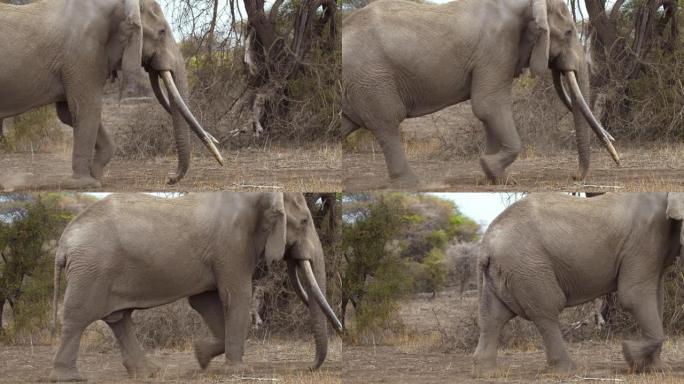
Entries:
{"x":35,"y":131}
{"x":461,"y":266}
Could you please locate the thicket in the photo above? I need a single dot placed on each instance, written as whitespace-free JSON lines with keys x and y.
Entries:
{"x":394,"y":244}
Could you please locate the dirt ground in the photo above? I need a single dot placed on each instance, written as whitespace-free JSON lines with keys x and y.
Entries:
{"x":274,"y":361}
{"x":641,"y":170}
{"x":421,"y":355}
{"x":304,"y":169}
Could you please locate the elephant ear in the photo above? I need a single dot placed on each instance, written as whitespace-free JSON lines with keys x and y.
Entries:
{"x":541,"y":35}
{"x":276,"y":237}
{"x":132,"y":42}
{"x":675,"y":210}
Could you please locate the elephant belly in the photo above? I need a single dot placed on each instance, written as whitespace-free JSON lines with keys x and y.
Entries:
{"x":157,"y":287}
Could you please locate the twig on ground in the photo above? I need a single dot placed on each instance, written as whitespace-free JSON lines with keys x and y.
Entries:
{"x":254,"y":378}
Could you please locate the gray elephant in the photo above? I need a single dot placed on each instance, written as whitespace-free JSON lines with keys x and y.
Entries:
{"x":552,"y":251}
{"x":403,"y":59}
{"x":130,"y":252}
{"x":63,"y":51}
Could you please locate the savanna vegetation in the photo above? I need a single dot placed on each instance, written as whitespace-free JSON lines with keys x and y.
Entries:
{"x":394,"y":245}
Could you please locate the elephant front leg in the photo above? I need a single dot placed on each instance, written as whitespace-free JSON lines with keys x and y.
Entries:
{"x":85,"y":113}
{"x":236,"y":305}
{"x":643,"y":302}
{"x":104,"y":151}
{"x":493,"y":108}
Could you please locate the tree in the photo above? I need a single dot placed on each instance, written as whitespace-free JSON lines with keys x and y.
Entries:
{"x":27,"y":225}
{"x":275,"y":53}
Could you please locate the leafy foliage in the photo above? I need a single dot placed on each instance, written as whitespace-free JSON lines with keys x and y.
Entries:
{"x":27,"y":242}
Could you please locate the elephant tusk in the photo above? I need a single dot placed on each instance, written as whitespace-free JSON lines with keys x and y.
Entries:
{"x":296,"y":284}
{"x":205,"y":136}
{"x":158,"y":93}
{"x":560,"y":90}
{"x":603,"y":135}
{"x":318,"y":295}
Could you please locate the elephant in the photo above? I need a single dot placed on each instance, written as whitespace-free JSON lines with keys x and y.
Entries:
{"x":403,"y":59}
{"x":129,"y":252}
{"x":548,"y":252}
{"x":62,"y":52}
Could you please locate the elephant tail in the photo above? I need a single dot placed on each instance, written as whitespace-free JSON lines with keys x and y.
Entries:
{"x":60,"y":263}
{"x":482,"y":266}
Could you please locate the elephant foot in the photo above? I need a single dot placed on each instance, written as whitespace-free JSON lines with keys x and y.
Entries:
{"x":145,"y":370}
{"x":495,"y":173}
{"x":236,"y":368}
{"x":97,"y":170}
{"x":65,"y":375}
{"x":205,"y":351}
{"x":641,"y":356}
{"x":80,"y":182}
{"x":407,"y":181}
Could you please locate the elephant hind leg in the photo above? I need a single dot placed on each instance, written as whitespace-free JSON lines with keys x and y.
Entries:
{"x":557,"y":356}
{"x":381,"y":113}
{"x":64,"y":366}
{"x":132,"y":353}
{"x":208,"y":305}
{"x":493,"y":316}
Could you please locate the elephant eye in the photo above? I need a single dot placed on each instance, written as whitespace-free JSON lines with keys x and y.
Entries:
{"x":305,"y":221}
{"x":568,"y":34}
{"x":162,"y":33}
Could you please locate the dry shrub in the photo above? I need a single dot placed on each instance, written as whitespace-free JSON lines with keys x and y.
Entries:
{"x":35,"y":131}
{"x":461,"y":262}
{"x":147,"y":132}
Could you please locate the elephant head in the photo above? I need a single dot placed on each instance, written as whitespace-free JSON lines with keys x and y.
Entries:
{"x":551,"y":41}
{"x":147,"y":41}
{"x":291,"y":235}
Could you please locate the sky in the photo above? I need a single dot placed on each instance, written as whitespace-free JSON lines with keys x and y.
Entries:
{"x":481,"y":207}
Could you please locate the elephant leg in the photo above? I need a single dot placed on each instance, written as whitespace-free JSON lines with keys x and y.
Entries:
{"x":557,"y":356}
{"x":64,"y":365}
{"x":493,"y":107}
{"x":208,"y":305}
{"x":643,"y":303}
{"x":348,"y":126}
{"x":382,"y":115}
{"x":86,"y":114}
{"x":64,"y":114}
{"x":132,"y":353}
{"x":236,"y":305}
{"x":104,"y":150}
{"x":492,"y":146}
{"x":493,"y":315}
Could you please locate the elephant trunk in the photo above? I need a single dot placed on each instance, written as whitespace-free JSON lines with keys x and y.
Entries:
{"x":177,"y":86}
{"x":180,"y":130}
{"x":319,"y":323}
{"x":584,"y":117}
{"x":582,"y":129}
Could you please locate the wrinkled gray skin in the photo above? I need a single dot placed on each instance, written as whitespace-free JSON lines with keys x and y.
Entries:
{"x":402,"y":59}
{"x":63,"y":51}
{"x":130,"y":252}
{"x":551,"y":251}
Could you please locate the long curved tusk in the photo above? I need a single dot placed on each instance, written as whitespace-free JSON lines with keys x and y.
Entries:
{"x":158,"y":93}
{"x":318,"y":295}
{"x":603,"y":135}
{"x":205,"y":136}
{"x":560,"y":90}
{"x":296,"y":284}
